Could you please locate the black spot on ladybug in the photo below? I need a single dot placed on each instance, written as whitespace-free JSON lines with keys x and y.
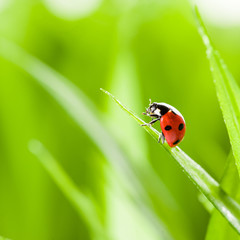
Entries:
{"x":176,"y":142}
{"x":168,"y":127}
{"x":181,"y":126}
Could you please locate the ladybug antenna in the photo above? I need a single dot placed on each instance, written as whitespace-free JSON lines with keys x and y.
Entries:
{"x":150,"y":101}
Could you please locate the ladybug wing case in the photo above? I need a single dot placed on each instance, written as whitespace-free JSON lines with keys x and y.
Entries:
{"x":173,"y":128}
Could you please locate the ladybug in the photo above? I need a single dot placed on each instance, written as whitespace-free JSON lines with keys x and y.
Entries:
{"x":171,"y":121}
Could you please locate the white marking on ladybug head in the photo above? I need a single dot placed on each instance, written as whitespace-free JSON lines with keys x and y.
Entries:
{"x":157,"y":112}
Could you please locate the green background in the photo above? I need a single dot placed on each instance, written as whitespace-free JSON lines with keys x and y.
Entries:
{"x":136,"y":50}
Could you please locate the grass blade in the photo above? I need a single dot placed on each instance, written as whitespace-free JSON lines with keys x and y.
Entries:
{"x":218,"y":227}
{"x":227,"y":206}
{"x":83,"y":204}
{"x":228,"y":92}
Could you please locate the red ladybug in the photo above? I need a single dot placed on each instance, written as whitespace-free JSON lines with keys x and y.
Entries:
{"x":171,"y":121}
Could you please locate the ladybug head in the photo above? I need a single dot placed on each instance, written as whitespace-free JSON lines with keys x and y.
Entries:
{"x":157,"y":109}
{"x":153,"y":107}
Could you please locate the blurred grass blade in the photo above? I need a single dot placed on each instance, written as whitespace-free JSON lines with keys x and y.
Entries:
{"x":85,"y":206}
{"x":204,"y":201}
{"x":218,"y":227}
{"x":87,"y":116}
{"x":227,"y":206}
{"x":228,"y":92}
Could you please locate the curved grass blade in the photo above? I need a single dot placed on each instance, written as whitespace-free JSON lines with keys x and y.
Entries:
{"x":218,"y":227}
{"x":227,"y":206}
{"x":204,"y":201}
{"x":84,"y":205}
{"x":74,"y":101}
{"x":228,"y":92}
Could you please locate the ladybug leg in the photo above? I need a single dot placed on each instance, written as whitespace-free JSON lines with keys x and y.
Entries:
{"x":153,"y":121}
{"x":154,"y":116}
{"x":161,"y":137}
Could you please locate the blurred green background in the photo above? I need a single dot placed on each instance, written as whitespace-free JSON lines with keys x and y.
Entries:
{"x":136,"y":49}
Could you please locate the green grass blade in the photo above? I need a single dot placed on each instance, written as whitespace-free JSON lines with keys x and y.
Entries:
{"x":204,"y":201}
{"x":84,"y":205}
{"x":227,"y":206}
{"x":218,"y":227}
{"x":228,"y":92}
